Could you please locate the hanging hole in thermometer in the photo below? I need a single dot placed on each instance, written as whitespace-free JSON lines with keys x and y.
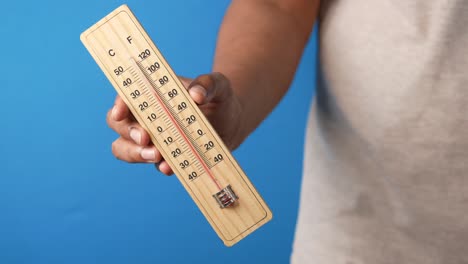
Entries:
{"x":186,"y":140}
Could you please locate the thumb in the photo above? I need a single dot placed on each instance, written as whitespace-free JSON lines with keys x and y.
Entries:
{"x":213,"y":87}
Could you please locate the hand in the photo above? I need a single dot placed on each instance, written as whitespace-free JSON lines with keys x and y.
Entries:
{"x":215,"y":98}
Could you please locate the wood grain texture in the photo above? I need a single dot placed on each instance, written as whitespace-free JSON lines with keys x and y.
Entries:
{"x":161,"y":104}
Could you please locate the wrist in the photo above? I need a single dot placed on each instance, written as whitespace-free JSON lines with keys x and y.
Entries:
{"x":240,"y":131}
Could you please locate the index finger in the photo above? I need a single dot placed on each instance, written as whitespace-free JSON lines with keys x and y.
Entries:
{"x":120,"y":110}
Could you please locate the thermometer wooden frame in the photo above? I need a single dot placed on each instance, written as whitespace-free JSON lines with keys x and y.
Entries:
{"x":187,"y":141}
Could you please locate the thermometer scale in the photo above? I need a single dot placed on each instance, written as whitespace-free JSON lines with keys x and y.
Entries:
{"x":185,"y":138}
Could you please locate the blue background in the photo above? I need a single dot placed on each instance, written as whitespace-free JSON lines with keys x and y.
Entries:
{"x":65,"y":199}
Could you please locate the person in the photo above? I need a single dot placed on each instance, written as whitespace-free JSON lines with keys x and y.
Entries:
{"x":386,"y":158}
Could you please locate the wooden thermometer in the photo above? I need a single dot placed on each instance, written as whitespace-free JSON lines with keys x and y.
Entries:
{"x":161,"y":104}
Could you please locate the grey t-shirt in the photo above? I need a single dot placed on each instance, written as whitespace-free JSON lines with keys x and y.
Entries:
{"x":386,"y":159}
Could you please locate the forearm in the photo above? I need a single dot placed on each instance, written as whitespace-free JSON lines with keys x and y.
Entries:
{"x":259,"y":46}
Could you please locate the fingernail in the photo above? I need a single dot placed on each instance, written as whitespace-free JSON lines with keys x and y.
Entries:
{"x":135,"y":135}
{"x":114,"y":112}
{"x":198,"y":93}
{"x":148,"y":154}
